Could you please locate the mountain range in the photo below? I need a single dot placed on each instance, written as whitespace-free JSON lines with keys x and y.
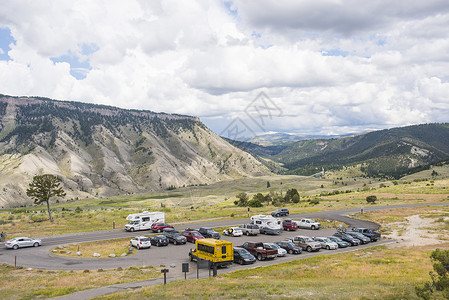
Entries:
{"x":102,"y":151}
{"x":389,"y":153}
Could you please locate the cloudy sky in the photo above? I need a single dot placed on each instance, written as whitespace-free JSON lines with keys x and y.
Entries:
{"x":297,"y":66}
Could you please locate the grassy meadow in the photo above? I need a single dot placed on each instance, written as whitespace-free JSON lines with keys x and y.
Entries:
{"x":216,"y":201}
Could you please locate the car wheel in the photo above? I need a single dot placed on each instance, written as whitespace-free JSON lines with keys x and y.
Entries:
{"x":286,"y":214}
{"x":247,"y":233}
{"x":278,"y":215}
{"x":138,"y":247}
{"x":175,"y":242}
{"x":36,"y":244}
{"x":157,"y":244}
{"x":313,"y":227}
{"x":159,"y":230}
{"x":327,"y":247}
{"x":309,"y":249}
{"x":131,"y":229}
{"x":259,"y":256}
{"x":288,"y":229}
{"x":290,"y":251}
{"x":191,"y":258}
{"x":15,"y":247}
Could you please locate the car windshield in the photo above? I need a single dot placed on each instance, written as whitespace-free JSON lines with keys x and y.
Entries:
{"x":195,"y":234}
{"x":177,"y":234}
{"x":335,"y":239}
{"x":274,"y":246}
{"x":209,"y":230}
{"x":160,"y":236}
{"x":307,"y":239}
{"x":290,"y":244}
{"x":145,"y":240}
{"x":326,"y":240}
{"x":243,"y":252}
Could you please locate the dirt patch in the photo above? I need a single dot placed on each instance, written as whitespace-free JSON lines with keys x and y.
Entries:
{"x":415,"y":232}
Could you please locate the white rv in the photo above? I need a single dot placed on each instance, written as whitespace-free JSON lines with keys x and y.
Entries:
{"x":269,"y":222}
{"x":144,"y":220}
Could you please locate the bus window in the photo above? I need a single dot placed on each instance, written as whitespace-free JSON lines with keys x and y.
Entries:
{"x":223,"y":249}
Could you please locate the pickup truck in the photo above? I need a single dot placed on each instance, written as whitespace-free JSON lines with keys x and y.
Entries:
{"x":250,"y":229}
{"x":259,"y":251}
{"x":373,"y":235}
{"x":288,"y":225}
{"x":308,"y":224}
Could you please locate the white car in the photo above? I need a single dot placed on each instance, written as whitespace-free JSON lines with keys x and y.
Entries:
{"x":233,"y":231}
{"x":281,"y":251}
{"x":141,"y":242}
{"x":21,"y":242}
{"x":326,"y":243}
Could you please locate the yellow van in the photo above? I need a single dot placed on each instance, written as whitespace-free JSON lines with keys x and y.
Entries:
{"x":219,"y":252}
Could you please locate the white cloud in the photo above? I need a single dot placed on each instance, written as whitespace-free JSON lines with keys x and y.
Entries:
{"x":332,"y":65}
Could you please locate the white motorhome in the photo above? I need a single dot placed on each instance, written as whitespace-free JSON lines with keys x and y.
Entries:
{"x":264,"y":221}
{"x":144,"y":220}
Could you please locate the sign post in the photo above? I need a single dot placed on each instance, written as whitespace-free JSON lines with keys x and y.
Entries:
{"x":165,"y":271}
{"x":185,"y":269}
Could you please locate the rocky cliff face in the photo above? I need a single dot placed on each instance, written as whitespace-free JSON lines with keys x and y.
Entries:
{"x":103,"y":151}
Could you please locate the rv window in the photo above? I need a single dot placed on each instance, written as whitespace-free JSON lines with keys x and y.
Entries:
{"x":223,"y":249}
{"x":145,"y":219}
{"x":258,"y":222}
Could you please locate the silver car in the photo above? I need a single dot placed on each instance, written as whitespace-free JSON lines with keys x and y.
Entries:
{"x":281,"y":251}
{"x":21,"y":242}
{"x":326,"y":243}
{"x":141,"y":242}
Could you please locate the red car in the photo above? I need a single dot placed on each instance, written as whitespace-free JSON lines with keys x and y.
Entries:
{"x":158,"y":227}
{"x":192,"y":235}
{"x":288,"y":225}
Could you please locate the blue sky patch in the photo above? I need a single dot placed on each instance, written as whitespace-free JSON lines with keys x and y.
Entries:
{"x":334,"y":52}
{"x":79,"y":66}
{"x":5,"y":40}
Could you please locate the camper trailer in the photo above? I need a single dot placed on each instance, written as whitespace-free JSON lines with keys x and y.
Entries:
{"x":267,"y":224}
{"x":144,"y":220}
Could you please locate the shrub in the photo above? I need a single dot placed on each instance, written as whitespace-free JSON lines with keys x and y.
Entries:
{"x":371,"y":199}
{"x":255,"y":203}
{"x":78,"y":209}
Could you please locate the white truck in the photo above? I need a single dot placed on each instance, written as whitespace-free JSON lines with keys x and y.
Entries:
{"x":144,"y":220}
{"x":308,"y":224}
{"x":267,"y":224}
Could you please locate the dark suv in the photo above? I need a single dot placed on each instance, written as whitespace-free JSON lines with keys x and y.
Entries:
{"x":209,"y":232}
{"x":280,"y":212}
{"x":174,"y":236}
{"x":373,"y":235}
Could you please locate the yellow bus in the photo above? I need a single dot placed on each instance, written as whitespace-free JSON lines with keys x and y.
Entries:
{"x":219,"y":252}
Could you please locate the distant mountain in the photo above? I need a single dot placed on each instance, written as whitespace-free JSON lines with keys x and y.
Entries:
{"x":392,"y":152}
{"x":283,"y":139}
{"x":104,"y":151}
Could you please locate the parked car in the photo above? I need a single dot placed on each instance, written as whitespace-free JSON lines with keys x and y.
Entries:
{"x":159,"y":240}
{"x":174,"y":236}
{"x":259,"y":251}
{"x":306,"y":243}
{"x":363,"y":238}
{"x":21,"y":242}
{"x":141,"y":242}
{"x":372,"y":234}
{"x":270,"y":231}
{"x":233,"y":231}
{"x":280,"y":212}
{"x":326,"y":243}
{"x":347,"y":238}
{"x":158,"y":227}
{"x":289,"y":247}
{"x":281,"y":251}
{"x":339,"y":241}
{"x":308,"y":224}
{"x":289,"y":225}
{"x":250,"y":229}
{"x":192,"y":236}
{"x":243,"y":257}
{"x":209,"y":232}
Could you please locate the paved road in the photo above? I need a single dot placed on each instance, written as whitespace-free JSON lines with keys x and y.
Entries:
{"x":42,"y":258}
